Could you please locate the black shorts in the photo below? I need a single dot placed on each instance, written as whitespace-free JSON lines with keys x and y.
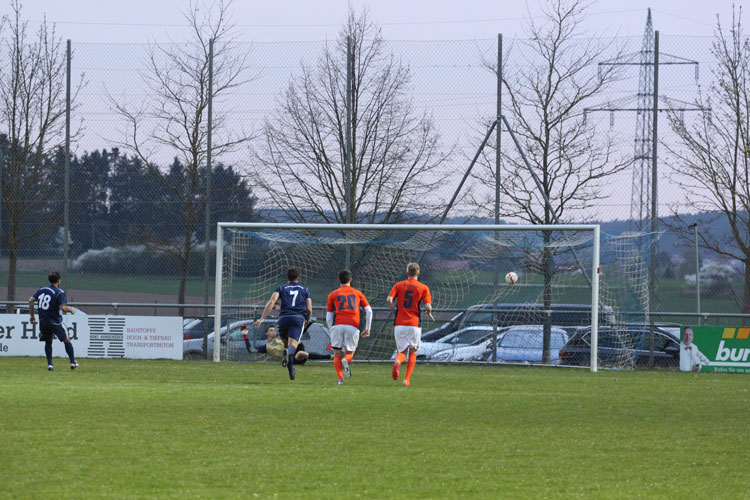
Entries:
{"x":47,"y":331}
{"x":290,"y":327}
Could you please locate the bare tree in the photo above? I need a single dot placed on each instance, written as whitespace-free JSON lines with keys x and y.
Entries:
{"x":396,"y":159}
{"x":177,"y":84}
{"x":711,"y":162}
{"x":547,"y":96}
{"x":32,"y":112}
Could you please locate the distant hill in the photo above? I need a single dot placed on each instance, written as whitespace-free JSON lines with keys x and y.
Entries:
{"x":669,"y":240}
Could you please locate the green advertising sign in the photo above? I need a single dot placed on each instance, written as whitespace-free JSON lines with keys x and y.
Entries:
{"x":715,"y":349}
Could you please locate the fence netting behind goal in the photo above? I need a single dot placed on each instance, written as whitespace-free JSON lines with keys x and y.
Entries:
{"x":545,"y":317}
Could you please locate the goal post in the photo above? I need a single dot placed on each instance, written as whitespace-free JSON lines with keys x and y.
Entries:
{"x":252,"y":257}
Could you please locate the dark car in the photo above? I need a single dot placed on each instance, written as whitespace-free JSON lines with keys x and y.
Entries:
{"x":563,"y":315}
{"x":622,"y":345}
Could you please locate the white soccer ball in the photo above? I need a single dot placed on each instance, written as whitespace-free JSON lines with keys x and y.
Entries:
{"x":511,"y":278}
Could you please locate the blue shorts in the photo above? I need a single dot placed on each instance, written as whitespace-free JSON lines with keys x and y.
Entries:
{"x":49,"y":330}
{"x":291,"y":327}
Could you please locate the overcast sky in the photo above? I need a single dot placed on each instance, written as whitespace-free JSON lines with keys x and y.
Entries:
{"x":285,"y":20}
{"x":448,"y":79}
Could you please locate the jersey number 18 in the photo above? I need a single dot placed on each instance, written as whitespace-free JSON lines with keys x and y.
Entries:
{"x":44,"y":301}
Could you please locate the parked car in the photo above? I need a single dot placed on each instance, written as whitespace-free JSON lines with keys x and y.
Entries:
{"x":192,"y":328}
{"x":461,"y":338}
{"x":470,"y":352}
{"x":524,"y":344}
{"x":622,"y":345}
{"x":569,"y":316}
{"x":316,"y":338}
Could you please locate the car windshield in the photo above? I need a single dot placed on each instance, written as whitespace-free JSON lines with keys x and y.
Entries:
{"x":531,"y":339}
{"x":479,"y":317}
{"x":191,"y":323}
{"x":465,"y":336}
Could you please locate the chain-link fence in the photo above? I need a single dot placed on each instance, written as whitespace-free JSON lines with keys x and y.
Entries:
{"x":420,"y":110}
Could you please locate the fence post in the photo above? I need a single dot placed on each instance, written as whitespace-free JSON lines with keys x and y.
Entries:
{"x":349,"y":155}
{"x":66,"y":208}
{"x":654,"y":205}
{"x":209,"y":171}
{"x":496,"y":280}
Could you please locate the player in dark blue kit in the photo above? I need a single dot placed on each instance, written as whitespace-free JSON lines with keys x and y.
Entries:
{"x":52,"y":301}
{"x":295,"y":312}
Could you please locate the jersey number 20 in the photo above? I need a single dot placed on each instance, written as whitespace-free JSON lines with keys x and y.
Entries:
{"x":346,"y":302}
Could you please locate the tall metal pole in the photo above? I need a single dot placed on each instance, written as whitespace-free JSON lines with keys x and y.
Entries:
{"x":498,"y":169}
{"x":209,"y":172}
{"x":66,"y":195}
{"x":498,"y":135}
{"x":348,"y":156}
{"x":654,"y":204}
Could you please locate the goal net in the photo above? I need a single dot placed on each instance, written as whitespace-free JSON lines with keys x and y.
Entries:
{"x":551,"y":315}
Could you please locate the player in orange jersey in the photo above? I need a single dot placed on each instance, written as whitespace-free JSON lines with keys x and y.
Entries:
{"x":408,"y":295}
{"x":342,"y":316}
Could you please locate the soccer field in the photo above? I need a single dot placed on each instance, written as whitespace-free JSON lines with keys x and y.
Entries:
{"x":169,"y":429}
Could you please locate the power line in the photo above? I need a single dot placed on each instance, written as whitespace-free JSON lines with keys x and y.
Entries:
{"x":682,"y":17}
{"x":326,"y":25}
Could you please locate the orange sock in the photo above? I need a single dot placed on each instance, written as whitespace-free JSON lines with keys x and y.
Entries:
{"x":410,"y":365}
{"x":349,"y":357}
{"x":400,"y":357}
{"x":339,"y":367}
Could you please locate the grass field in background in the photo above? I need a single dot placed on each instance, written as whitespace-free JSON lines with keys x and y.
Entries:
{"x":672,"y":294}
{"x":111,"y":282}
{"x":170,"y":429}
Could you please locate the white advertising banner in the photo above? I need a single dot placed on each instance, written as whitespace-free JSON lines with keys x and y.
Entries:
{"x":140,"y":337}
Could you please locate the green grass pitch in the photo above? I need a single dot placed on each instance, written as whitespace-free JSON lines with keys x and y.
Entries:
{"x":169,"y":429}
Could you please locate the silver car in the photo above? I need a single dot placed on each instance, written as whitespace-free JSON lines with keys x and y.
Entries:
{"x":316,"y":338}
{"x":469,"y":336}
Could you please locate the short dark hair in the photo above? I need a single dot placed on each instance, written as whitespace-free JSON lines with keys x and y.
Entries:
{"x":292,"y":273}
{"x":345,"y":276}
{"x":412,"y":269}
{"x":268,"y":327}
{"x":54,"y":277}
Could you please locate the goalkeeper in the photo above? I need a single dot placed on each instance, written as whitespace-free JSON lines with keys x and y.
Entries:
{"x":274,"y":346}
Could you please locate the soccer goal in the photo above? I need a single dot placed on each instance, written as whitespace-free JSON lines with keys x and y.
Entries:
{"x":550,"y":296}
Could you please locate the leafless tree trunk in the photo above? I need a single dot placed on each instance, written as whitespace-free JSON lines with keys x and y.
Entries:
{"x":32,"y":112}
{"x":396,"y":158}
{"x":547,"y":96}
{"x":712,"y":158}
{"x":177,"y":83}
